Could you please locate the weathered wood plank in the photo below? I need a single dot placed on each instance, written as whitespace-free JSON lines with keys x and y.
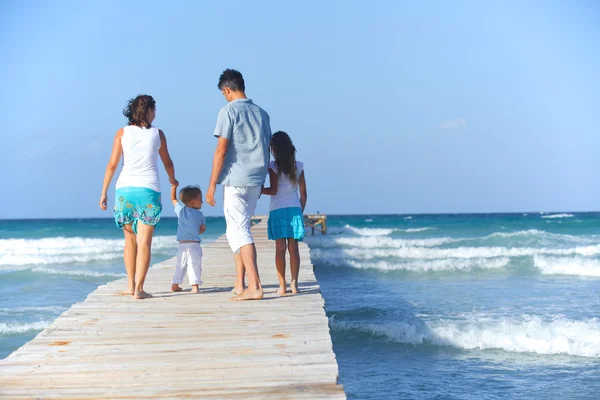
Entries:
{"x":183,"y":345}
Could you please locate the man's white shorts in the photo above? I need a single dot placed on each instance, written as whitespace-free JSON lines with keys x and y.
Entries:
{"x":188,"y":255}
{"x":239,"y":203}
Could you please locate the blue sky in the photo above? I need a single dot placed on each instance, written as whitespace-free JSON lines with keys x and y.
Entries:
{"x":394,"y":107}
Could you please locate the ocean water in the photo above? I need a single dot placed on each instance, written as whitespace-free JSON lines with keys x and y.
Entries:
{"x":464,"y":306}
{"x":420,"y":307}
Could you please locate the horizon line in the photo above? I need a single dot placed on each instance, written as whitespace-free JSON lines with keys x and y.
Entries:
{"x":333,"y":215}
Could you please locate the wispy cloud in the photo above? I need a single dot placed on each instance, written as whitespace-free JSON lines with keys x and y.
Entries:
{"x":39,"y":151}
{"x":456,"y":123}
{"x":95,"y":145}
{"x":91,"y":149}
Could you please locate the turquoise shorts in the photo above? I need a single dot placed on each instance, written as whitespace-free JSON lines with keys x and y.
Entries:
{"x":286,"y":223}
{"x":134,"y":204}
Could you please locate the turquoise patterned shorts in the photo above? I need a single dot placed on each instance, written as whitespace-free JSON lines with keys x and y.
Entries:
{"x":133,"y":204}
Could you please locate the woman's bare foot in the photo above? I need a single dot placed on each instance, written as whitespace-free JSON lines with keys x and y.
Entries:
{"x":294,"y":287}
{"x":194,"y":288}
{"x":130,"y":289}
{"x":249,"y":295}
{"x":281,"y":291}
{"x":237,"y":290}
{"x":176,"y":288}
{"x":142,"y":295}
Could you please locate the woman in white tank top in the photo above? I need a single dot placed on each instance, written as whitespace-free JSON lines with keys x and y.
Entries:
{"x":137,"y":196}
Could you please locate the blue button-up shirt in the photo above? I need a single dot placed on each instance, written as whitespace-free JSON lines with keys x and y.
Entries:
{"x":248,"y":129}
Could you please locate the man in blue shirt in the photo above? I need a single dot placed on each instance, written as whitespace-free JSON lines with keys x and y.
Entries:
{"x":240,"y":164}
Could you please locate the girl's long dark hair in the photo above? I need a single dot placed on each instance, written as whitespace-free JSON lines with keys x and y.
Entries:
{"x":285,"y":155}
{"x":137,"y":110}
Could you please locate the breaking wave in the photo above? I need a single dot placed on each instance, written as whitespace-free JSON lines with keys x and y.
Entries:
{"x":524,"y":334}
{"x":427,"y":265}
{"x":62,"y":250}
{"x":567,"y":266}
{"x":558,"y":216}
{"x":12,"y":328}
{"x":427,"y":253}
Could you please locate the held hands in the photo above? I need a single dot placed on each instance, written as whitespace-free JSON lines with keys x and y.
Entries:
{"x":210,"y":194}
{"x":103,"y":202}
{"x":174,"y":185}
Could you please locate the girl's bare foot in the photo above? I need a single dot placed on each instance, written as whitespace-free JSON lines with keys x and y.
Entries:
{"x":194,"y":288}
{"x":248,"y":295}
{"x":281,"y":291}
{"x":176,"y":288}
{"x":294,"y":287}
{"x":142,"y":295}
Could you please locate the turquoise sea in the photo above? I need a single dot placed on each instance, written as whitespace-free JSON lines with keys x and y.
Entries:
{"x":497,"y":306}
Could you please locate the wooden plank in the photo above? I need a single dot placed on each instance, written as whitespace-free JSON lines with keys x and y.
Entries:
{"x":183,"y":345}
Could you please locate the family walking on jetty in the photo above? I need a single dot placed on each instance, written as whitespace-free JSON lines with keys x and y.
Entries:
{"x":240,"y":165}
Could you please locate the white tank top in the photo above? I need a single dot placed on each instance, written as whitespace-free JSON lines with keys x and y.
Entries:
{"x":287,"y":193}
{"x":140,"y":154}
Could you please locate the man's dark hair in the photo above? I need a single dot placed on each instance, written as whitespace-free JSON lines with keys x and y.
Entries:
{"x":233,"y":80}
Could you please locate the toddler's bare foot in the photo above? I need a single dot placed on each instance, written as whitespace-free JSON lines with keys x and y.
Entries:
{"x":176,"y":288}
{"x":294,"y":287}
{"x":141,"y":295}
{"x":249,"y":295}
{"x":194,"y":288}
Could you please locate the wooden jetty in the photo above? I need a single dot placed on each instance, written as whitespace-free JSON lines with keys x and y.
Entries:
{"x":183,"y":345}
{"x":311,"y":221}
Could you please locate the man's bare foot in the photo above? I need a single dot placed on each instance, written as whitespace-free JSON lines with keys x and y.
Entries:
{"x":176,"y":288}
{"x":142,"y":295}
{"x":294,"y":287}
{"x":281,"y":291}
{"x":249,"y":295}
{"x":194,"y":288}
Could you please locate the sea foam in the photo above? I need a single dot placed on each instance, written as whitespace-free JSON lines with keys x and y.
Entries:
{"x":12,"y":328}
{"x":77,"y":272}
{"x":427,"y":253}
{"x":412,"y":230}
{"x":567,"y":266}
{"x":558,"y":216}
{"x":428,"y":265}
{"x":367,"y":231}
{"x":62,"y":250}
{"x":524,"y":334}
{"x":372,"y":242}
